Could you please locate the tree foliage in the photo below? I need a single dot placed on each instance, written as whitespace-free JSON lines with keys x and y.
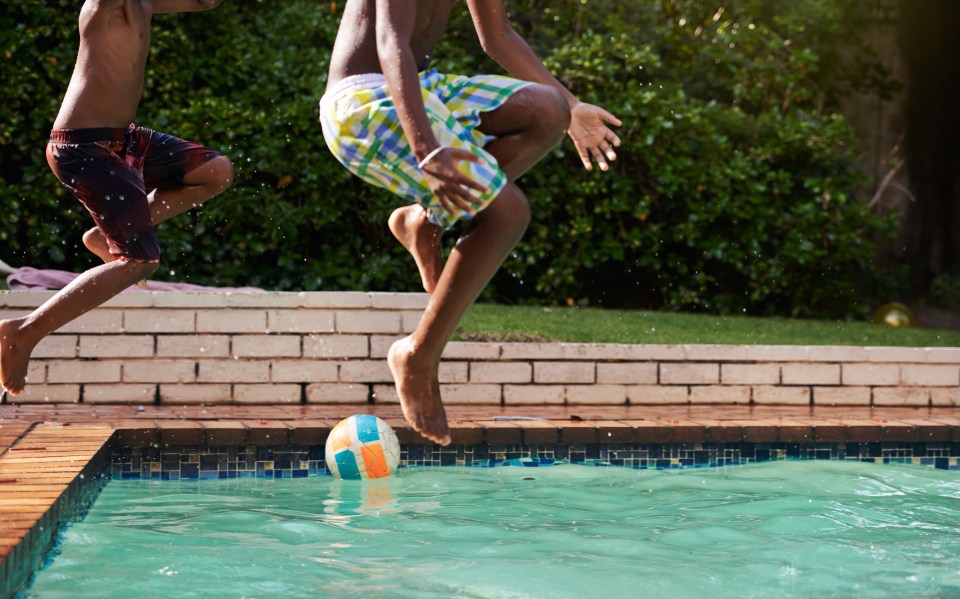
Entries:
{"x":734,"y":191}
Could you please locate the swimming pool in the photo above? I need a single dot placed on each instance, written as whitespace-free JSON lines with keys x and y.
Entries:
{"x":776,"y":529}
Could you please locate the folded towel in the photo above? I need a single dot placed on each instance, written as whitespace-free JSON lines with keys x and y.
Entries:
{"x":33,"y":279}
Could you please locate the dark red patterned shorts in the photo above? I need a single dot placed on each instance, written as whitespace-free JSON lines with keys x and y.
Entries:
{"x":111,"y":171}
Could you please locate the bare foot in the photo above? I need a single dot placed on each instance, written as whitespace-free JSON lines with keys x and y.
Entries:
{"x":422,"y":239}
{"x":97,"y":243}
{"x":14,"y":357}
{"x":419,"y":391}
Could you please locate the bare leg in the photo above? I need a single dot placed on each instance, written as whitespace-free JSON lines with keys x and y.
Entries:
{"x":415,"y":360}
{"x":526,"y":127}
{"x":19,"y":336}
{"x":199,"y":185}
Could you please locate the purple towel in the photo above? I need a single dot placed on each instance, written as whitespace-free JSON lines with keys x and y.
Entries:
{"x":32,"y":279}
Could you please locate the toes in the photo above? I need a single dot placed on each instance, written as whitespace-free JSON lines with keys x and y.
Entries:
{"x":434,"y":431}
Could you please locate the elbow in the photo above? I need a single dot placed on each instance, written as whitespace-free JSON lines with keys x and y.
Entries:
{"x":498,"y":43}
{"x":388,"y":50}
{"x":490,"y":43}
{"x":99,"y":5}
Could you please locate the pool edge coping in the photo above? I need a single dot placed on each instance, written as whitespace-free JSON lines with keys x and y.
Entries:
{"x":20,"y":559}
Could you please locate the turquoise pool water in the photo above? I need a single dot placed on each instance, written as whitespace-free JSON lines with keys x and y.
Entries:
{"x":777,"y":529}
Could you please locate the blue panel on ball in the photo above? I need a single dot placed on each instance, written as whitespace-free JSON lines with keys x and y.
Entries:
{"x":367,"y":428}
{"x":347,"y":465}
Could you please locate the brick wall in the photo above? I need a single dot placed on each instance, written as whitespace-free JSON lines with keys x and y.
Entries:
{"x":288,"y":348}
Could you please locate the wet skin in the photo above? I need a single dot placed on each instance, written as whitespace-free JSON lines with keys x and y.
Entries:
{"x":104,"y":91}
{"x":386,"y":36}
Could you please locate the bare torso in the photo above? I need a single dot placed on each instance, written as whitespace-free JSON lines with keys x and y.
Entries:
{"x":107,"y":80}
{"x":355,"y":51}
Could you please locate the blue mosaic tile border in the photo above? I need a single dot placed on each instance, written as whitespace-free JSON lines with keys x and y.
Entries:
{"x":213,"y":463}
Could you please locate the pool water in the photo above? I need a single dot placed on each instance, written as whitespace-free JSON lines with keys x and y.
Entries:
{"x":776,"y":529}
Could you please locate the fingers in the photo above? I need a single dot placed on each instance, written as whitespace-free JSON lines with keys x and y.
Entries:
{"x":451,"y":186}
{"x":594,"y":140}
{"x":460,"y":194}
{"x":584,"y":157}
{"x":444,"y":169}
{"x":455,"y":198}
{"x":607,"y":147}
{"x":612,"y":138}
{"x":600,"y":152}
{"x":461,"y":154}
{"x":608,"y":117}
{"x":599,"y":158}
{"x":456,"y":205}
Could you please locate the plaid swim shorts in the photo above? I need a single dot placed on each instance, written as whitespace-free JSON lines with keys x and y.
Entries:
{"x":362,"y":129}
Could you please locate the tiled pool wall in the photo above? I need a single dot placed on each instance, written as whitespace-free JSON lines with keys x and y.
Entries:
{"x":178,"y":348}
{"x":214,"y":463}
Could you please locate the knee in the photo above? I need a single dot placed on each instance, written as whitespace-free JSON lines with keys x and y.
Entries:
{"x":215,"y":175}
{"x":554,"y":113}
{"x":92,"y":236}
{"x":515,"y":205}
{"x":221,"y":171}
{"x":149,"y":267}
{"x":143,"y":269}
{"x":523,"y":210}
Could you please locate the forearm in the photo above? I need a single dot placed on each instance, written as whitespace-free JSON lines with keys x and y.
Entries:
{"x":404,"y":85}
{"x":168,"y":6}
{"x":512,"y":53}
{"x":399,"y":67}
{"x":508,"y":49}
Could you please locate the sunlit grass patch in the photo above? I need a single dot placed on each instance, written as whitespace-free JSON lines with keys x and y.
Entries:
{"x":593,"y":325}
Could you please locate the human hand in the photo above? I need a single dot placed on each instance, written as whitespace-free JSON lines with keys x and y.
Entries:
{"x":590,"y":133}
{"x":448,"y":184}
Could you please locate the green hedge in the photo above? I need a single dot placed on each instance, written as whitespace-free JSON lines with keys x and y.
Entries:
{"x":734,"y":191}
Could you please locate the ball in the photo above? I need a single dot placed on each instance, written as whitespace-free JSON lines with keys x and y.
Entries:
{"x":362,"y":447}
{"x":895,"y":315}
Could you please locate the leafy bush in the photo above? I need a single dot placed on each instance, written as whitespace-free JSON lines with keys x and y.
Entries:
{"x":945,"y":291}
{"x":734,"y":192}
{"x":737,"y":176}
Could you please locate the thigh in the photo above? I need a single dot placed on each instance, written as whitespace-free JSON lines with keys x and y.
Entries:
{"x":112,"y":192}
{"x":165,"y":159}
{"x":527,"y":108}
{"x":471,"y":99}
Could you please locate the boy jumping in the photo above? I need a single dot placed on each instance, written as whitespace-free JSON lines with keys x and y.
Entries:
{"x":129,"y":178}
{"x":452,"y":146}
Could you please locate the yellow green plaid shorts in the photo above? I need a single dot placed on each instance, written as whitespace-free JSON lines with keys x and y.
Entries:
{"x":362,"y":129}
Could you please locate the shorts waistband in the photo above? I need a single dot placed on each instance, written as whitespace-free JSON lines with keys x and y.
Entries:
{"x":88,"y":136}
{"x":354,"y":82}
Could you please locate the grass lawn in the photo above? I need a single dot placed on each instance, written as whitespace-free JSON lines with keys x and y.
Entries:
{"x":593,"y":325}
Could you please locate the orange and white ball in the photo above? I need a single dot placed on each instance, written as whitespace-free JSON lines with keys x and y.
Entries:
{"x":362,"y":447}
